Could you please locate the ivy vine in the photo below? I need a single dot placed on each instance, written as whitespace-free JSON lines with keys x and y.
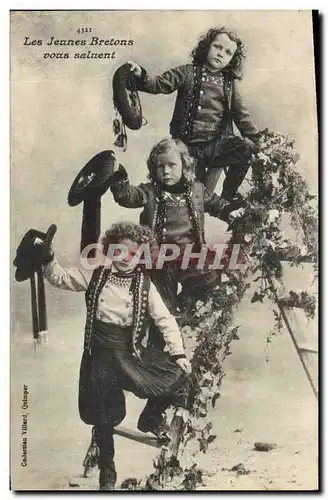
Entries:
{"x":277,"y":190}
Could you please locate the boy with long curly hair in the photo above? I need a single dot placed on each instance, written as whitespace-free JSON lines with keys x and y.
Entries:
{"x":208,"y":102}
{"x":120,"y":300}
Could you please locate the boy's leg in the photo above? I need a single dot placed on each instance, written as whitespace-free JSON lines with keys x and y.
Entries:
{"x":104,"y":431}
{"x":212,"y":177}
{"x":198,"y":152}
{"x":108,"y":409}
{"x":105,"y":441}
{"x":197,"y":284}
{"x":235,"y":172}
{"x":234,"y":177}
{"x":203,"y":155}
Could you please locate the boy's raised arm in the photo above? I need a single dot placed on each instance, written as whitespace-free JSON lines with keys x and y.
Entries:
{"x":71,"y":278}
{"x":166,"y":83}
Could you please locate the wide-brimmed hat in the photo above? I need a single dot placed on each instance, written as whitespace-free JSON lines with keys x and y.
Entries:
{"x":126,"y":97}
{"x":90,"y":184}
{"x":29,"y":257}
{"x":93,"y":179}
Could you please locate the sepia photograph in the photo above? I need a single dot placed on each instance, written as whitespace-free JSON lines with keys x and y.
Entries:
{"x":164,"y":250}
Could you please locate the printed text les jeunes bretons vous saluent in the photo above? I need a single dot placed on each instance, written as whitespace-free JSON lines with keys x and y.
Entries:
{"x":54,"y":43}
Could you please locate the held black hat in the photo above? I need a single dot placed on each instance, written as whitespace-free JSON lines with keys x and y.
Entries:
{"x":29,"y":260}
{"x":93,"y":179}
{"x":126,"y":97}
{"x":30,"y":257}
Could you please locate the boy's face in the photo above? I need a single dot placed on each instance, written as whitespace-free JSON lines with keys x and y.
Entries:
{"x":169,"y":168}
{"x":126,"y":263}
{"x":221,"y":51}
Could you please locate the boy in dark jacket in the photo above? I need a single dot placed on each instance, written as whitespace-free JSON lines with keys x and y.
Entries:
{"x":208,"y":102}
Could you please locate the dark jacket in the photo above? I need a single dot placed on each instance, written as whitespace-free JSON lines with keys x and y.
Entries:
{"x":144,"y":196}
{"x":186,"y":80}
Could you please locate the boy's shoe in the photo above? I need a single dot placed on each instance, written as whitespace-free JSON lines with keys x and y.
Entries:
{"x":107,"y":479}
{"x":231,"y":198}
{"x":235,"y":198}
{"x":229,"y":204}
{"x":155,"y":425}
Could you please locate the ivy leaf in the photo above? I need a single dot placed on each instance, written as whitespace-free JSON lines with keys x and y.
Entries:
{"x":304,"y":250}
{"x":234,"y":331}
{"x":275,"y":183}
{"x":208,"y":376}
{"x":246,"y":287}
{"x":184,"y":414}
{"x":203,"y":445}
{"x":208,"y":427}
{"x":273,"y":215}
{"x":257,"y":297}
{"x":215,"y":398}
{"x":261,"y":156}
{"x":271,"y":244}
{"x":211,"y":438}
{"x":310,"y":197}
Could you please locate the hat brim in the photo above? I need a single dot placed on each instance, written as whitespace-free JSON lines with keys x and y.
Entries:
{"x":126,"y":97}
{"x":23,"y":274}
{"x":93,"y":180}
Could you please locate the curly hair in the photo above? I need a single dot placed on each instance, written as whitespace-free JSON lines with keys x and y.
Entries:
{"x":169,"y":144}
{"x":130,"y":231}
{"x":234,"y":68}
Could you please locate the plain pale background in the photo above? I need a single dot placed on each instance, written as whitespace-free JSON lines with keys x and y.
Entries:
{"x":61,"y":113}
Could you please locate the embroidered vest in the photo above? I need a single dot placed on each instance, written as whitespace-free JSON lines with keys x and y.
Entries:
{"x":192,"y":103}
{"x":140,"y":285}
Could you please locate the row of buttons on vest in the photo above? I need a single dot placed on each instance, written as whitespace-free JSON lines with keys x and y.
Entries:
{"x":201,"y":93}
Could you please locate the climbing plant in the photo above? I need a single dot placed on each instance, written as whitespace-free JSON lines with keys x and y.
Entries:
{"x":277,"y":191}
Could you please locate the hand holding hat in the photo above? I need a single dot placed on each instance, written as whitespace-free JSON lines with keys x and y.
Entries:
{"x":135,"y":68}
{"x":46,"y":252}
{"x":31,"y":254}
{"x":119,"y":173}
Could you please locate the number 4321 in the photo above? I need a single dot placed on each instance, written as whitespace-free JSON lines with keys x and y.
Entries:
{"x":80,"y":31}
